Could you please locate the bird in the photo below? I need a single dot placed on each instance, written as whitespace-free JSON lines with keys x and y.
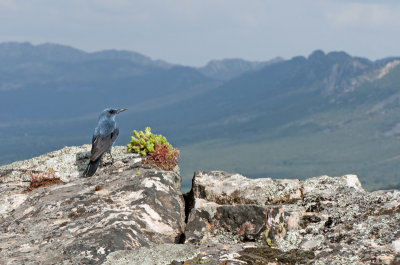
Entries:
{"x":103,"y":139}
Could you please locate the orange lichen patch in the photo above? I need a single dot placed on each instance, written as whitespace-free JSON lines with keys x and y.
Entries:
{"x":246,"y":229}
{"x":236,"y":197}
{"x":43,"y":179}
{"x":290,"y":198}
{"x":210,"y":227}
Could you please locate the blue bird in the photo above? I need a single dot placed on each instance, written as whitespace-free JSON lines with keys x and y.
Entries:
{"x":103,"y":139}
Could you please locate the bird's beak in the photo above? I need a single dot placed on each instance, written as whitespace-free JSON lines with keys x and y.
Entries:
{"x":121,"y":110}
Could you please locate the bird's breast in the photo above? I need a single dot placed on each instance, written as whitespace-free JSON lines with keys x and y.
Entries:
{"x":107,"y":128}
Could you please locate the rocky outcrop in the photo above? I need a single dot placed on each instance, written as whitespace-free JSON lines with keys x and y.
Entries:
{"x":321,"y":220}
{"x":132,"y":213}
{"x":126,"y":205}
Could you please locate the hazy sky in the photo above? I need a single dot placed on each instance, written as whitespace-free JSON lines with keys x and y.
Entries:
{"x":193,"y":32}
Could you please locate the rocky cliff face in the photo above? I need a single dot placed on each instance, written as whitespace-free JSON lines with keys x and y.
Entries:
{"x":131,"y":213}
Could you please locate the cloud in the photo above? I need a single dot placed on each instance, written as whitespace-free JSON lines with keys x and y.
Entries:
{"x":364,"y":15}
{"x":7,"y":4}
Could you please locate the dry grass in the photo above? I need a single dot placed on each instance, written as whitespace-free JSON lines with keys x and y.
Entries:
{"x":43,"y":179}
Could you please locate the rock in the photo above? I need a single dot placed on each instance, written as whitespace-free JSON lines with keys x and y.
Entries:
{"x":68,"y":164}
{"x":157,"y":254}
{"x":320,"y":220}
{"x":223,"y":188}
{"x":396,"y":245}
{"x":265,"y":255}
{"x":132,"y":213}
{"x":123,"y":206}
{"x":240,"y":222}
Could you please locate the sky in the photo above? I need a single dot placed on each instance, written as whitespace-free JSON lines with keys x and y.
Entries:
{"x":193,"y":32}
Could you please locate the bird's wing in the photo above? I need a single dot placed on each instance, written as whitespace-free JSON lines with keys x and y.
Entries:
{"x":102,"y":143}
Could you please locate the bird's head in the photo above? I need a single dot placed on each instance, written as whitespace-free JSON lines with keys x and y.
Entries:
{"x":110,"y":112}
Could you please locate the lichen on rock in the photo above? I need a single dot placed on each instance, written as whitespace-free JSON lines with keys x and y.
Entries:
{"x":76,"y":222}
{"x":334,"y":219}
{"x":131,"y":213}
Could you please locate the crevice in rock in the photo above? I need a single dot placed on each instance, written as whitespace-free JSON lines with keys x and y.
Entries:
{"x":181,"y":239}
{"x":189,"y":203}
{"x":188,"y":198}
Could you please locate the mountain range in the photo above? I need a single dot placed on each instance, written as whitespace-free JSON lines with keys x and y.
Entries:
{"x":328,"y":113}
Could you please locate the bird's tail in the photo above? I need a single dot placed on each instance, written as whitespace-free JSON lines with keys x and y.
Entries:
{"x":91,"y":168}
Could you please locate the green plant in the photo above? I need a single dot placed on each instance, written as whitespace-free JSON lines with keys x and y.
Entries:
{"x":161,"y":153}
{"x":145,"y":142}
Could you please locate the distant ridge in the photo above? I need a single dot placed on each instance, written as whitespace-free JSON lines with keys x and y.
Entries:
{"x":217,"y":69}
{"x":229,"y":68}
{"x":55,"y":52}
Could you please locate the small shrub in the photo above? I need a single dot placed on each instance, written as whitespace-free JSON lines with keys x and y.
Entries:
{"x":43,"y":179}
{"x":161,"y":153}
{"x":145,"y":142}
{"x":164,"y":157}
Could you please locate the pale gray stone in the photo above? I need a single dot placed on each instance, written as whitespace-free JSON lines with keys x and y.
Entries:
{"x":326,"y":220}
{"x":125,"y":205}
{"x":162,"y":254}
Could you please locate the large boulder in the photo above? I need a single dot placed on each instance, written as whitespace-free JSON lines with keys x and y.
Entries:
{"x":321,"y":220}
{"x":125,"y":205}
